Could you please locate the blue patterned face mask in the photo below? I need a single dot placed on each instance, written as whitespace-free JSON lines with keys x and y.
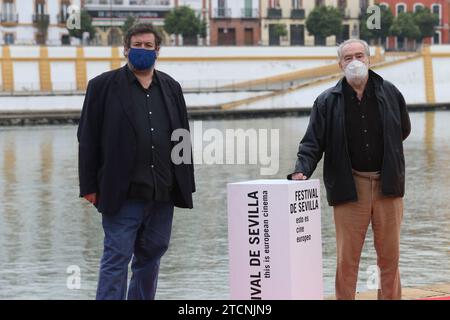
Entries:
{"x":141,"y":59}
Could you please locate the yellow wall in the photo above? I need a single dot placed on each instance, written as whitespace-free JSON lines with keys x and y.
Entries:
{"x":114,"y":60}
{"x":353,"y":8}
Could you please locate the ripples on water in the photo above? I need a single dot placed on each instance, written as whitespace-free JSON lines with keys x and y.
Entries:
{"x":45,"y":227}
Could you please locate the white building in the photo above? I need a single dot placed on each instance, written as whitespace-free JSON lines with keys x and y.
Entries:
{"x":108,"y":16}
{"x":35,"y":22}
{"x":292,"y":15}
{"x":199,"y":6}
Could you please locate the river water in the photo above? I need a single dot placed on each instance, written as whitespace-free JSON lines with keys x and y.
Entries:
{"x":48,"y":234}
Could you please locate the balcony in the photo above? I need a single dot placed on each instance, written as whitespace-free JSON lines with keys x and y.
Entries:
{"x":274,"y":13}
{"x":222,"y":13}
{"x":298,"y":14}
{"x":249,"y":13}
{"x":9,"y":18}
{"x":41,"y":18}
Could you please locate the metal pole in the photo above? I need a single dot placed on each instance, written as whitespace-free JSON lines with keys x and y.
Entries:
{"x":110,"y":22}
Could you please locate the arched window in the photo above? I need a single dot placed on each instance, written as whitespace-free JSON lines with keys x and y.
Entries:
{"x":400,"y":8}
{"x":418,"y":6}
{"x":436,"y":9}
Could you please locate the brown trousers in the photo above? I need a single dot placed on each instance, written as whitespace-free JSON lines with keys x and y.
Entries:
{"x":352,"y":220}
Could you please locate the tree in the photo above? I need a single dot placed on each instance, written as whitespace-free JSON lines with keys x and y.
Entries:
{"x":280,"y":30}
{"x":86,"y":26}
{"x":183,"y":21}
{"x":131,"y":20}
{"x":324,"y":21}
{"x":379,"y":35}
{"x":203,"y":29}
{"x":404,"y":26}
{"x":426,"y":21}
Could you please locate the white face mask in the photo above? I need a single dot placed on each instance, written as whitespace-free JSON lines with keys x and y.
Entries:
{"x":356,"y":71}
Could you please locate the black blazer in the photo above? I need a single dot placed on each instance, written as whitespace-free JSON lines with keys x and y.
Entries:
{"x":326,"y":135}
{"x":107,"y":140}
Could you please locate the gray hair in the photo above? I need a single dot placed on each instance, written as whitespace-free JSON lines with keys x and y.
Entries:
{"x":346,"y":42}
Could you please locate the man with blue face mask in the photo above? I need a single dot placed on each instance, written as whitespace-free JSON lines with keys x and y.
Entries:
{"x":360,"y":125}
{"x":125,"y":165}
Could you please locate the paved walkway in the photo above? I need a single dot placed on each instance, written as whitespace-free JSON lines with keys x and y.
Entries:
{"x":436,"y":290}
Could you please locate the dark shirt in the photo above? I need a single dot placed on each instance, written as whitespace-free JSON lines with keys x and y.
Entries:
{"x":152,"y":176}
{"x":364,"y":128}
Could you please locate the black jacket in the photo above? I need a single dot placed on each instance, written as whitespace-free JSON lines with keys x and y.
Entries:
{"x":107,"y":141}
{"x":326,"y":134}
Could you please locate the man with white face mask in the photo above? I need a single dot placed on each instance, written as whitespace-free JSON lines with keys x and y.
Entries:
{"x":360,"y":125}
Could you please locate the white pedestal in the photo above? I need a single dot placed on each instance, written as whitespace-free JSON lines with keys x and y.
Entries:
{"x":275,"y":242}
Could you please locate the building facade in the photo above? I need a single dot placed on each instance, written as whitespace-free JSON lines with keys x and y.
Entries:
{"x":291,"y":15}
{"x":234,"y":22}
{"x":439,"y":7}
{"x":108,"y":16}
{"x":30,"y":22}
